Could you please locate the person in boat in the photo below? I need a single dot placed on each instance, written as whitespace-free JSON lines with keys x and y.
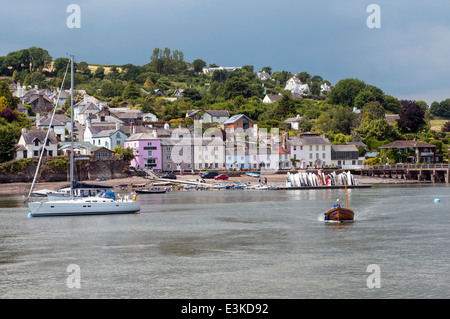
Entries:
{"x":337,"y":203}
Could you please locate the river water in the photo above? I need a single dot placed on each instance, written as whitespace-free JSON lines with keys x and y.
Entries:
{"x":235,"y":244}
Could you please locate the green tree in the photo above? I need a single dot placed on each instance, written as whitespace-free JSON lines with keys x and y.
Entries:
{"x":39,"y":58}
{"x":373,"y":111}
{"x":283,"y":107}
{"x":112,"y":89}
{"x":345,"y":91}
{"x":363,"y":98}
{"x":343,"y":119}
{"x":9,"y":134}
{"x":377,"y":129}
{"x":304,"y":76}
{"x":11,"y":101}
{"x":131,"y":91}
{"x":198,"y":65}
{"x":441,"y":109}
{"x":99,"y":72}
{"x":392,"y":104}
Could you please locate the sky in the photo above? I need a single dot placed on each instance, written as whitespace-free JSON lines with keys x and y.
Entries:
{"x":407,"y":55}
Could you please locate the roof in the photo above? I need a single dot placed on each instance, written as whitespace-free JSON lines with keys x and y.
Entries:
{"x":344,"y":148}
{"x":31,"y":135}
{"x":218,"y":113}
{"x":391,"y":118}
{"x":293,"y":119}
{"x":274,"y":97}
{"x":89,"y":106}
{"x":315,"y":140}
{"x":406,"y":143}
{"x":106,"y":133}
{"x":236,"y":118}
{"x":282,"y":150}
{"x":47,"y":121}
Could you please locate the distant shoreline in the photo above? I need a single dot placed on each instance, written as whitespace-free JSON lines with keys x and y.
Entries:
{"x":272,"y":180}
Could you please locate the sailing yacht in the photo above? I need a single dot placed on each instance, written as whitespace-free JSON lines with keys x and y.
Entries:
{"x":104,"y":203}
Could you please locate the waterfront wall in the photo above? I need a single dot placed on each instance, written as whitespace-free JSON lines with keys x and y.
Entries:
{"x":83,"y":170}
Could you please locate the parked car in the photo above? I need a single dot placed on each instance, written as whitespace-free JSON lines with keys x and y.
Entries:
{"x":169,"y":176}
{"x":210,"y":175}
{"x":221,"y":176}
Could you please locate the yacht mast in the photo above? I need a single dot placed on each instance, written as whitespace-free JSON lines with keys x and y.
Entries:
{"x":72,"y":132}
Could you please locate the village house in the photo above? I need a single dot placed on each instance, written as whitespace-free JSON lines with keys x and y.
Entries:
{"x":345,"y":156}
{"x":293,"y":121}
{"x":209,"y":116}
{"x":101,"y":153}
{"x":271,"y":98}
{"x":147,"y":151}
{"x":421,"y":152}
{"x":58,"y":128}
{"x":31,"y":143}
{"x":308,"y":150}
{"x":108,"y":138}
{"x":239,"y":121}
{"x":263,"y":76}
{"x":81,"y":105}
{"x":296,"y":86}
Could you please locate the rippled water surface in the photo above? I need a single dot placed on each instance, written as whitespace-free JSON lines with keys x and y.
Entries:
{"x":235,"y":244}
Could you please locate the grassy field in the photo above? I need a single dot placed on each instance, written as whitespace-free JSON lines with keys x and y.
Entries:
{"x":436,"y":125}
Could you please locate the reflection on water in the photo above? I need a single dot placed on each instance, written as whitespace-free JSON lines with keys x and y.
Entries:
{"x":234,"y":243}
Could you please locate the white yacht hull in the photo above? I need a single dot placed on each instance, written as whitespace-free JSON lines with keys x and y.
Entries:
{"x":81,"y":207}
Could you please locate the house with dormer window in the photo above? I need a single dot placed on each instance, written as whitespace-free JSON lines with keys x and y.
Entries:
{"x":31,"y":144}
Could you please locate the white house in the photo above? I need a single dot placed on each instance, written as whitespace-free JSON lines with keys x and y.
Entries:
{"x":58,"y":128}
{"x":263,"y":76}
{"x":78,"y":107}
{"x":271,"y":98}
{"x":31,"y":143}
{"x":149,"y":117}
{"x":294,"y":122}
{"x":309,"y":149}
{"x":296,"y":86}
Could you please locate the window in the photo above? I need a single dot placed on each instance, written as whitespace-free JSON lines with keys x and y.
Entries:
{"x":168,"y":165}
{"x":317,"y":147}
{"x":310,"y":155}
{"x":323,"y":147}
{"x":323,"y":155}
{"x":149,"y":143}
{"x":295,"y":148}
{"x":317,"y":155}
{"x":36,"y":142}
{"x":35,"y":153}
{"x":167,"y":157}
{"x":310,"y":147}
{"x":168,"y":148}
{"x":150,"y":153}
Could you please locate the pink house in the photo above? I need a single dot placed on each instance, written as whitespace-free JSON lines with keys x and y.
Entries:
{"x":147,"y":151}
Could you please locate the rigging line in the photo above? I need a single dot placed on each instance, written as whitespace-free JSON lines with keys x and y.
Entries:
{"x":47,"y":135}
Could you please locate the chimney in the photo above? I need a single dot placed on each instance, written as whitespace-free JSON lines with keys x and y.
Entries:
{"x":38,"y":119}
{"x":155,"y":134}
{"x":85,"y":99}
{"x":117,"y":126}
